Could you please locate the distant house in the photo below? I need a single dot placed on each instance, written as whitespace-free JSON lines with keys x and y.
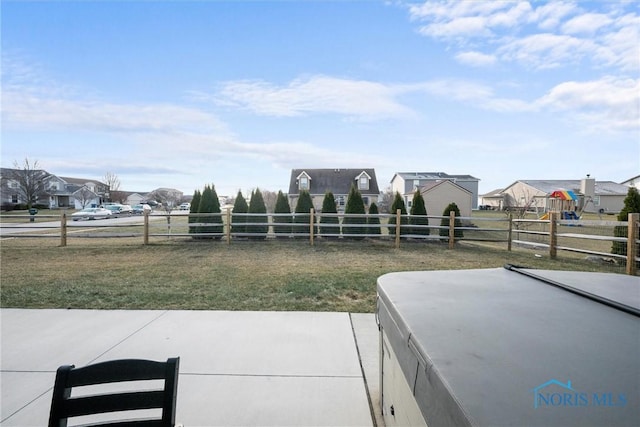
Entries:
{"x":168,"y":197}
{"x":338,"y":181}
{"x":55,"y":191}
{"x":632,"y":182}
{"x":406,"y":183}
{"x":590,"y":195}
{"x":76,"y":193}
{"x":133,"y":197}
{"x":439,"y":194}
{"x":493,"y":200}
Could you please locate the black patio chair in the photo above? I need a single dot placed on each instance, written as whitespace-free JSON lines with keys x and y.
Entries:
{"x":65,"y":406}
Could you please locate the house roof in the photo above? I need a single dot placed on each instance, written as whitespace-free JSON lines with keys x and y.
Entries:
{"x":433,"y":176}
{"x":494,"y":193}
{"x":338,"y":181}
{"x":79,"y":181}
{"x":431,"y":185}
{"x":602,"y":188}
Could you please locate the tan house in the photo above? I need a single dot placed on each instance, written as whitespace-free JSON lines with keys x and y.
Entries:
{"x":439,"y":194}
{"x":589,"y":195}
{"x":407,"y":182}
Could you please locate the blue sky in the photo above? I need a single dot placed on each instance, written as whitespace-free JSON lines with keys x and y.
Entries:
{"x":238,"y":93}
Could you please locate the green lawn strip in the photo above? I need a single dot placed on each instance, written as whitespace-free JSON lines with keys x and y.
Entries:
{"x":211,"y":275}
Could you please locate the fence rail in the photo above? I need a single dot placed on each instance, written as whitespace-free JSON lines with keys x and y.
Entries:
{"x":579,"y":236}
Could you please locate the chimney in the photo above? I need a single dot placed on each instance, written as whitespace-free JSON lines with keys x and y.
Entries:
{"x":588,"y":186}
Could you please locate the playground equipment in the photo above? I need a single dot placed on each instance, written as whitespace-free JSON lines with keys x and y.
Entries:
{"x":563,"y":201}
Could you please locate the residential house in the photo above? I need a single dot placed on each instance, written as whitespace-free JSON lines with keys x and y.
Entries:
{"x":168,"y":197}
{"x":339,"y":181}
{"x":75,"y":193}
{"x":493,"y":200}
{"x":133,"y":197}
{"x":439,"y":194}
{"x":632,"y":182}
{"x":590,"y":195}
{"x":406,"y":183}
{"x":55,"y":191}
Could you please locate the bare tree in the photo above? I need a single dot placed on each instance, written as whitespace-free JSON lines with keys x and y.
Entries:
{"x":84,"y":195}
{"x":28,"y":180}
{"x":113,"y":182}
{"x":269,"y":198}
{"x":385,"y":202}
{"x":169,"y":199}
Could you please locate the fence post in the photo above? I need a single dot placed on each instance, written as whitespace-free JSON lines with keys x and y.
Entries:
{"x":632,"y":247}
{"x":452,"y":229}
{"x":311,"y":221}
{"x":553,"y":234}
{"x":510,"y":232}
{"x":228,"y":226}
{"x":63,"y":229}
{"x":398,"y":216}
{"x":146,"y":228}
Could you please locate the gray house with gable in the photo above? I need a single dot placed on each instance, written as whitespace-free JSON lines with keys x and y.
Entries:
{"x":406,"y":183}
{"x":338,"y":181}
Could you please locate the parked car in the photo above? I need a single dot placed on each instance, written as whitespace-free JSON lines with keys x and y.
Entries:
{"x":91,"y":213}
{"x":140,"y":209}
{"x":185,"y":206}
{"x":118,"y":210}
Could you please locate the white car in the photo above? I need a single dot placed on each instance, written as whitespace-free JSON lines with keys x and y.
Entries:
{"x":91,"y":213}
{"x":185,"y":206}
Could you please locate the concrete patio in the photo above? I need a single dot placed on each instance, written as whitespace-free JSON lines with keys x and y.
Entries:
{"x":236,"y":368}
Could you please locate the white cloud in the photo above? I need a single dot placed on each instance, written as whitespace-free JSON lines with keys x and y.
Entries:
{"x":551,"y":14}
{"x":587,"y":23}
{"x":569,"y":34}
{"x":609,"y":103}
{"x":26,"y":110}
{"x":543,"y":51}
{"x":453,"y":19}
{"x":476,"y":59}
{"x":318,"y":94}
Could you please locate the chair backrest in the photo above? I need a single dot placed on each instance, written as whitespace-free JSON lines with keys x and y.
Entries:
{"x":64,"y":405}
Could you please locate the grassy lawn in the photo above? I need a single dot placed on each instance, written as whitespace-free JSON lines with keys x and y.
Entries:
{"x":120,"y":273}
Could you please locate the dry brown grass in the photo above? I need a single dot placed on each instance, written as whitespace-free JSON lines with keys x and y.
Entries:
{"x":181,"y":273}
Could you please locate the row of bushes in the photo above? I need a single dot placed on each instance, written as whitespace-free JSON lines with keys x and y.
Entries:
{"x":256,"y":226}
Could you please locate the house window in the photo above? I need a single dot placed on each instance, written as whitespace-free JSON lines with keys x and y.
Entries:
{"x":596,"y":200}
{"x":14,"y":198}
{"x":13,"y":184}
{"x":54,"y":186}
{"x":363,"y":183}
{"x":303,"y":183}
{"x":340,"y":201}
{"x":366,"y":201}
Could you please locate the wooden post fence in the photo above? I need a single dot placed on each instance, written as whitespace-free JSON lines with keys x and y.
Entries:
{"x":146,"y":228}
{"x":632,"y":247}
{"x":452,"y":229}
{"x":311,"y":222}
{"x":398,"y":221}
{"x":510,"y":232}
{"x":63,"y":229}
{"x":554,"y":217}
{"x":229,"y":219}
